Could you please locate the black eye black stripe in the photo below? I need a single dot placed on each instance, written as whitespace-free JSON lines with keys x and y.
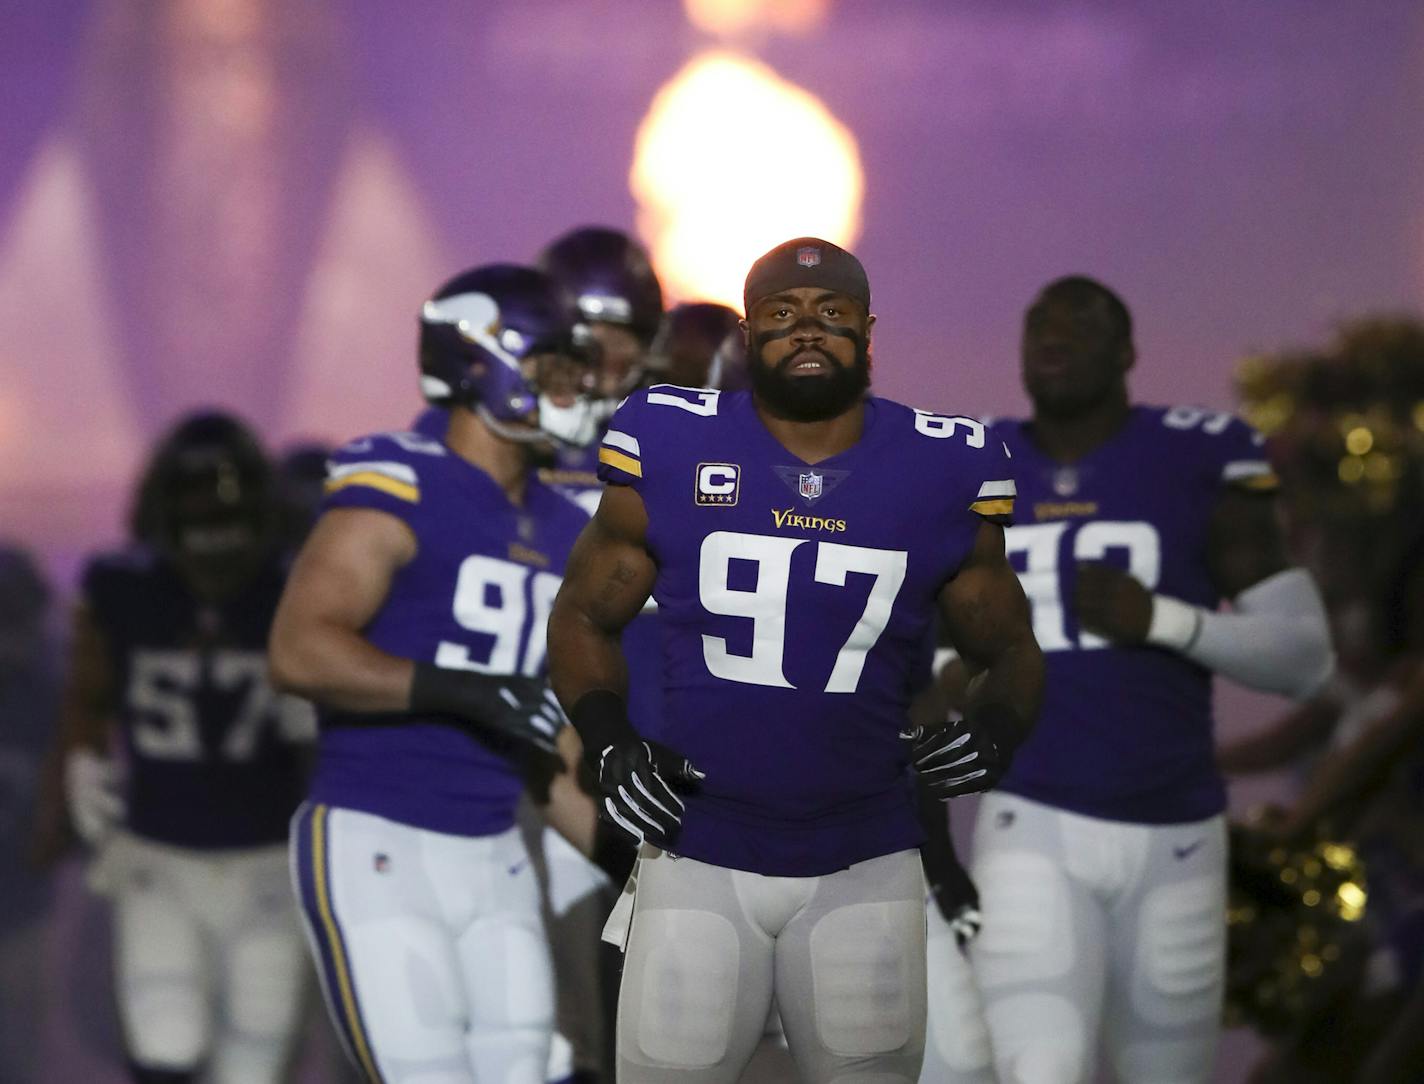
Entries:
{"x":840,"y":332}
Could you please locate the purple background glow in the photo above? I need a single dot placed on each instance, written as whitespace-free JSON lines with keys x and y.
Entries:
{"x":243,"y":201}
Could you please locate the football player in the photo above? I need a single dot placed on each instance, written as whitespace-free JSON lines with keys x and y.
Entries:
{"x":169,"y":649}
{"x":797,"y":539}
{"x":415,"y":617}
{"x":699,"y":346}
{"x":1101,"y":858}
{"x":607,"y":278}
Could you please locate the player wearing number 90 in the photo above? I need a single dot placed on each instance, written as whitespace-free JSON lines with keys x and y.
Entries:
{"x":415,"y":617}
{"x":798,"y":539}
{"x":170,"y":644}
{"x":1101,"y":860}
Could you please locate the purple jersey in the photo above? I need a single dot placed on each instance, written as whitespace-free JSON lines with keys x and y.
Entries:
{"x":211,"y":759}
{"x":795,"y":602}
{"x":574,"y":473}
{"x":475,"y":597}
{"x":1125,"y":732}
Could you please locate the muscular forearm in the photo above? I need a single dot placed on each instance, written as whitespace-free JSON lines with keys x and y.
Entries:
{"x":583,"y":656}
{"x":339,"y":668}
{"x":1010,"y":685}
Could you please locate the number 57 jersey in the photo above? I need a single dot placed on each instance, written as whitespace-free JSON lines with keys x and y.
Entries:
{"x":796,"y":602}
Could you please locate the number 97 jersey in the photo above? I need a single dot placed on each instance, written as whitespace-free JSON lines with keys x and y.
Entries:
{"x":796,"y":602}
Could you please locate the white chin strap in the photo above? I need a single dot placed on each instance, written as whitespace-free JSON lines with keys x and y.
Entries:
{"x":579,"y":424}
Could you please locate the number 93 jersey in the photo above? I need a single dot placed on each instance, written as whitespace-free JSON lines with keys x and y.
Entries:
{"x":475,"y":597}
{"x":796,"y":601}
{"x":213,"y":754}
{"x":1126,"y":731}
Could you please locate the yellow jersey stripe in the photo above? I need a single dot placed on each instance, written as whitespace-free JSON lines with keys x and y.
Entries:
{"x":338,"y":954}
{"x":626,"y":463}
{"x":383,"y":482}
{"x":998,"y":506}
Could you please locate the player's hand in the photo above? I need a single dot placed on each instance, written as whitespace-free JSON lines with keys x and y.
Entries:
{"x":518,"y":707}
{"x":638,"y":780}
{"x":92,"y":785}
{"x":958,"y":758}
{"x":1112,"y":604}
{"x":957,"y":900}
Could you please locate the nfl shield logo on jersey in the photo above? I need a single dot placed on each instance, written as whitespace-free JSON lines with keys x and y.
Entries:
{"x":811,"y":485}
{"x":808,"y":255}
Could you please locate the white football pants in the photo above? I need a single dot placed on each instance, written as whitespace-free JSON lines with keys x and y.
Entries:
{"x":207,"y":956}
{"x":430,"y":946}
{"x":1091,"y":924}
{"x":708,"y":947}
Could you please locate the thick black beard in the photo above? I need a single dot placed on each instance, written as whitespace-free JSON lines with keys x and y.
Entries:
{"x":809,"y":398}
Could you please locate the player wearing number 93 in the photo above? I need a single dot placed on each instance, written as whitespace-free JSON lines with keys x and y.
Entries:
{"x":170,"y":645}
{"x":415,"y":617}
{"x":798,"y":539}
{"x":1101,"y":859}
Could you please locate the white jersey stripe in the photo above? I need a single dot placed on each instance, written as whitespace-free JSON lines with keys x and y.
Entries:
{"x":400,"y":472}
{"x":624,"y":441}
{"x":1001,"y":488}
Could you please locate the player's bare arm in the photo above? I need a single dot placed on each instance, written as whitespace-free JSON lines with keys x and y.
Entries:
{"x":1275,"y":638}
{"x":986,"y":617}
{"x":87,"y":707}
{"x":608,"y":580}
{"x":1244,"y":547}
{"x":1245,"y":544}
{"x":570,"y":810}
{"x":609,"y":577}
{"x":338,"y":583}
{"x":80,"y":785}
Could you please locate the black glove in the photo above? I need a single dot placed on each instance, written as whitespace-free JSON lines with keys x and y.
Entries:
{"x":967,"y":755}
{"x":635,"y":777}
{"x":951,"y":888}
{"x":522,"y":708}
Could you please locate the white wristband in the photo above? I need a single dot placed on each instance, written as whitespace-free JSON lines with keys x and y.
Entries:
{"x":1175,"y":624}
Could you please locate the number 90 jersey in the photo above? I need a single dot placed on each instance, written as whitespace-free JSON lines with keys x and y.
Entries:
{"x":1125,"y":732}
{"x":475,"y":597}
{"x":796,"y":601}
{"x":215,"y":758}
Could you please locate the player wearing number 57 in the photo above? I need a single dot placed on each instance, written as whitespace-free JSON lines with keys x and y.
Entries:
{"x":189,"y":824}
{"x":799,"y":539}
{"x":415,"y":617}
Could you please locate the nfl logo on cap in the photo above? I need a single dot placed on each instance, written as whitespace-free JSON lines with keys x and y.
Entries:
{"x":808,"y":255}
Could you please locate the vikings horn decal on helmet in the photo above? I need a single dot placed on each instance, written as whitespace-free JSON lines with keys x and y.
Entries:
{"x":700,"y":346}
{"x":476,"y":334}
{"x":208,"y":492}
{"x":608,"y":276}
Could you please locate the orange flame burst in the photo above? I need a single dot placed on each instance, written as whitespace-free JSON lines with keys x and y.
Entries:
{"x":732,"y":160}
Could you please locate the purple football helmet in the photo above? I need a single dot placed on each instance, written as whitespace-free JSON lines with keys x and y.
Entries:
{"x":700,"y":346}
{"x":476,"y":332}
{"x":607,"y":275}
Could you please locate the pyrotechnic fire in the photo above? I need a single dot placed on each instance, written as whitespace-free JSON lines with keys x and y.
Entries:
{"x":729,"y":17}
{"x":731,"y":160}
